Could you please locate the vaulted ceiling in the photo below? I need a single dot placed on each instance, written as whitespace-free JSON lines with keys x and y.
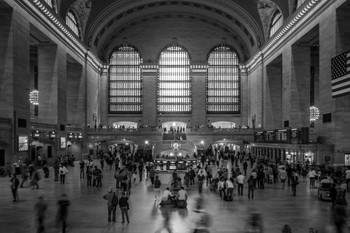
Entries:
{"x":106,"y":22}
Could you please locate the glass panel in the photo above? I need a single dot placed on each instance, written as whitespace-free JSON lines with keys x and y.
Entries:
{"x":300,"y":2}
{"x":174,"y":81}
{"x":223,"y":81}
{"x":276,"y":23}
{"x":125,"y":81}
{"x":52,"y":4}
{"x":72,"y":22}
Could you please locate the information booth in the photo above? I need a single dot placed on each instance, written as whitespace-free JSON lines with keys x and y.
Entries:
{"x":169,"y":156}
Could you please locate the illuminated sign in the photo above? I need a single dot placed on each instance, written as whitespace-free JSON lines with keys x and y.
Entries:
{"x":22,"y":143}
{"x":314,"y":113}
{"x":34,"y":97}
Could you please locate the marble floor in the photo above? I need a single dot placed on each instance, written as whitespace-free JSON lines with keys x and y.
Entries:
{"x":88,"y":211}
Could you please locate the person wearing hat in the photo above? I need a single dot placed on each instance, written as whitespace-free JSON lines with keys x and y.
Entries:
{"x":112,"y":202}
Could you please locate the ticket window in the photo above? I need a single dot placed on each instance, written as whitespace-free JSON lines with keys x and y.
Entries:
{"x":164,"y":166}
{"x":158,"y":165}
{"x":172,"y":166}
{"x":181,"y":165}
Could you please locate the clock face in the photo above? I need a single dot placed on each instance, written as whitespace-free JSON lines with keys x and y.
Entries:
{"x":176,"y":146}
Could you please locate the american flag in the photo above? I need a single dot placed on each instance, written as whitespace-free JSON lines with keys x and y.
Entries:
{"x":340,"y":69}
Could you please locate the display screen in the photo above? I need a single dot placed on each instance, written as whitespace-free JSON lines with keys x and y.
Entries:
{"x":63,"y":142}
{"x":22,"y":143}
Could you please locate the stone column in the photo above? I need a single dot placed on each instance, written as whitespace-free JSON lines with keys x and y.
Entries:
{"x":14,"y":77}
{"x":52,"y":66}
{"x":296,"y":86}
{"x":199,"y":87}
{"x":75,"y":94}
{"x":103,"y":100}
{"x":149,"y":113}
{"x":244,"y":96}
{"x":273,"y":98}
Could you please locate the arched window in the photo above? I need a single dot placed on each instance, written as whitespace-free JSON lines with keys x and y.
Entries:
{"x":276,"y":23}
{"x":52,"y":4}
{"x":72,"y":22}
{"x":125,"y":81}
{"x":223,"y":81}
{"x":174,"y":81}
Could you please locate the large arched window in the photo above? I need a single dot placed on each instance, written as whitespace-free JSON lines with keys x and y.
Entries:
{"x":174,"y":81}
{"x":276,"y":23}
{"x":125,"y":81}
{"x":52,"y":4}
{"x":72,"y":22}
{"x":223,"y":81}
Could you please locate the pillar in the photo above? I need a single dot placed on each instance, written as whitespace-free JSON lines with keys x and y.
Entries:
{"x":103,"y":100}
{"x":75,"y":94}
{"x":52,"y":66}
{"x":244,"y":96}
{"x":149,"y":113}
{"x":296,"y":86}
{"x":199,"y":88}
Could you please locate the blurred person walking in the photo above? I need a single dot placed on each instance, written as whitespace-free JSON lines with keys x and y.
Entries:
{"x":202,"y":219}
{"x":251,"y":187}
{"x":82,"y":165}
{"x":62,"y":212}
{"x":157,"y":185}
{"x":340,"y":217}
{"x":200,"y":179}
{"x":294,"y":182}
{"x":14,"y":187}
{"x":40,"y":211}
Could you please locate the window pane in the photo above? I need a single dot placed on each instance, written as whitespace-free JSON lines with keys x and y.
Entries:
{"x":174,"y":81}
{"x":125,"y":81}
{"x":223,"y":81}
{"x":277,"y":22}
{"x":72,"y":23}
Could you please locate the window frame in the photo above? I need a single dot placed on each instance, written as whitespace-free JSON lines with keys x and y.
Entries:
{"x":222,"y":89}
{"x":277,"y":19}
{"x":177,"y":82}
{"x":136,"y":82}
{"x":75,"y":21}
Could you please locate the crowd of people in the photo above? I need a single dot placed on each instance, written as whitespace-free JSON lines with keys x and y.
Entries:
{"x":222,"y":170}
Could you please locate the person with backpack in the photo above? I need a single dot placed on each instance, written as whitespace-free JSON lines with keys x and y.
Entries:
{"x":112,"y":203}
{"x":157,"y":185}
{"x":14,"y":187}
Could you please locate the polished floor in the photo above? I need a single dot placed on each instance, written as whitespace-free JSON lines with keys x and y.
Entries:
{"x":88,"y":212}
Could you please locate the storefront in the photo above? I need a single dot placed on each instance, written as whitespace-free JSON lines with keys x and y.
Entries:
{"x":292,"y":153}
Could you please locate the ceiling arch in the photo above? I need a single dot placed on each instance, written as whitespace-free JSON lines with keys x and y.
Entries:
{"x":114,"y":38}
{"x":240,"y":16}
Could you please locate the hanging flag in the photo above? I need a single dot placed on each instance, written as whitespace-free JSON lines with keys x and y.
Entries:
{"x":340,"y":69}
